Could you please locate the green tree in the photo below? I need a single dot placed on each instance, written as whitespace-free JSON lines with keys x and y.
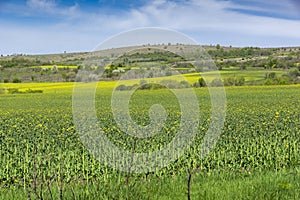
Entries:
{"x":201,"y":82}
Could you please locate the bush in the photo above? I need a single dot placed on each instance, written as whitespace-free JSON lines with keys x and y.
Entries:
{"x":294,"y":73}
{"x":16,"y":80}
{"x":185,"y":84}
{"x":217,"y":82}
{"x":201,"y":82}
{"x":270,"y":75}
{"x":240,"y":81}
{"x":234,"y":81}
{"x":13,"y":90}
{"x":156,"y":86}
{"x":28,"y":91}
{"x":269,"y":82}
{"x":121,"y":87}
{"x":146,"y":86}
{"x":33,"y":91}
{"x":230,"y":81}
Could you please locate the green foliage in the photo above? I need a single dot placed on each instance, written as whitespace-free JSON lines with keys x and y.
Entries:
{"x":270,"y":75}
{"x":238,"y":52}
{"x":16,"y":80}
{"x":17,"y":91}
{"x":19,"y":62}
{"x":123,"y":87}
{"x":272,"y":62}
{"x":201,"y":82}
{"x":39,"y":144}
{"x":166,"y":83}
{"x":151,"y":55}
{"x":234,"y":81}
{"x":294,"y":73}
{"x":217,"y":82}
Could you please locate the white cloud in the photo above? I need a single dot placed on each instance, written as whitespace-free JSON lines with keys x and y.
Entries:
{"x":208,"y":21}
{"x":41,"y":4}
{"x":282,"y":8}
{"x":50,"y":7}
{"x":214,"y":16}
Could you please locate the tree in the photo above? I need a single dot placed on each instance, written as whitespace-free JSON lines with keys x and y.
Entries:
{"x":201,"y":82}
{"x":272,"y":62}
{"x":218,"y":46}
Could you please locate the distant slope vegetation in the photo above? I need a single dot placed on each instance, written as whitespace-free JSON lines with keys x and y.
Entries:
{"x":277,"y":65}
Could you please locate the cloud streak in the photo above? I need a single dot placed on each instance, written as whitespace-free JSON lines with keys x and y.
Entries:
{"x":208,"y":21}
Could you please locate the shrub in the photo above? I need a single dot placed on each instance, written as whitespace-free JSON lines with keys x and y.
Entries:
{"x":234,"y":81}
{"x":33,"y":91}
{"x":230,"y":81}
{"x":16,"y":80}
{"x":270,"y":75}
{"x":13,"y":90}
{"x":240,"y":81}
{"x":201,"y":82}
{"x":217,"y":82}
{"x":146,"y":86}
{"x":156,"y":86}
{"x":294,"y":73}
{"x":185,"y":84}
{"x":122,"y":87}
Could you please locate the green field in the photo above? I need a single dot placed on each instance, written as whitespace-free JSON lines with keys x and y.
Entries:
{"x":256,"y":157}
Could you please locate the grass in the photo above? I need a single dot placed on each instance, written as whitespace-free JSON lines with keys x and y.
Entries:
{"x":225,"y":185}
{"x":249,"y":75}
{"x":256,"y":157}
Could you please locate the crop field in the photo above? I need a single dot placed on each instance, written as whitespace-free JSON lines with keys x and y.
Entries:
{"x":256,"y":157}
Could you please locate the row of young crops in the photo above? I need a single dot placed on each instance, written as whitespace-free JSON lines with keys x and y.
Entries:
{"x":39,"y":145}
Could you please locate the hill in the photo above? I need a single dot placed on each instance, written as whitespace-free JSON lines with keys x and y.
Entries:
{"x":255,"y":64}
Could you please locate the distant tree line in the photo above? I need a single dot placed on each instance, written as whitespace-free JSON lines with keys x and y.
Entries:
{"x":220,"y":52}
{"x":268,"y":63}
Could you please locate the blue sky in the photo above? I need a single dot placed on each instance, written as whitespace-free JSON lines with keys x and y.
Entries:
{"x":55,"y":26}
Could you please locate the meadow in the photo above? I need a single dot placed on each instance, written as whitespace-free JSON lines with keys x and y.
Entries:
{"x":256,"y":157}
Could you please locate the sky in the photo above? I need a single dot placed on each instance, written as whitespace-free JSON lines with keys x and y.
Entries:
{"x":55,"y":26}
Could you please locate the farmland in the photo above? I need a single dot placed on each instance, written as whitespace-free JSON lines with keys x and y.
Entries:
{"x":256,"y":157}
{"x":240,"y":141}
